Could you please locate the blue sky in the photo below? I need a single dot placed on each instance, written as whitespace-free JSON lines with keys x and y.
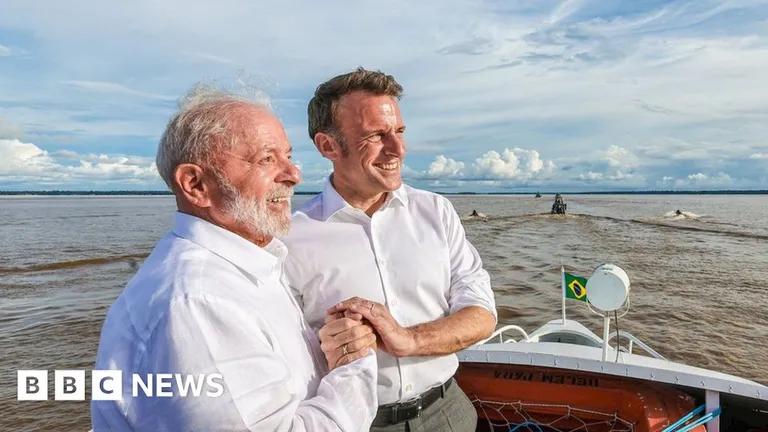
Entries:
{"x":499,"y":95}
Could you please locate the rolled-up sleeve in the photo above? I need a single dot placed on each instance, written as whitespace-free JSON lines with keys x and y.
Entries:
{"x":210,"y":335}
{"x":470,"y":283}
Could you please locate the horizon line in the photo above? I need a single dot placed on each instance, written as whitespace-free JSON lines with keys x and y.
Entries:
{"x":607,"y":192}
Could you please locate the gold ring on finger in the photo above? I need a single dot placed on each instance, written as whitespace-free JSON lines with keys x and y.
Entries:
{"x":344,"y":349}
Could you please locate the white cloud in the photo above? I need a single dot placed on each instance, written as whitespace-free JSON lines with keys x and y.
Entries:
{"x":443,"y":167}
{"x":66,"y":154}
{"x":619,"y":157}
{"x":21,"y":163}
{"x":614,"y":166}
{"x":591,"y":176}
{"x":759,"y":156}
{"x":613,"y":177}
{"x":701,"y":181}
{"x":114,"y":88}
{"x":210,"y":57}
{"x":313,"y":176}
{"x":21,"y":159}
{"x":511,"y":164}
{"x":563,"y":11}
{"x":4,"y":51}
{"x":9,"y":130}
{"x":516,"y":163}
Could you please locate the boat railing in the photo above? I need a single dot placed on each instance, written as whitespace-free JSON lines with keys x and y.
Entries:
{"x":499,"y":333}
{"x":634,"y":341}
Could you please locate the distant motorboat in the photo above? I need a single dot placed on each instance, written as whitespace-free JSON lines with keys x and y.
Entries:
{"x":476,"y":215}
{"x":538,"y":195}
{"x":559,"y":206}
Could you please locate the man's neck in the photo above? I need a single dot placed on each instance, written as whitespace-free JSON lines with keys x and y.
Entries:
{"x":368,"y":203}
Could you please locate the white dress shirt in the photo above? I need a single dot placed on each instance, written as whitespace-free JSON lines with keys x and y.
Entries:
{"x":412,"y":255}
{"x":208,"y":301}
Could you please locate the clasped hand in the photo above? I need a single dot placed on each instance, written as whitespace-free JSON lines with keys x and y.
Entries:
{"x":356,"y":325}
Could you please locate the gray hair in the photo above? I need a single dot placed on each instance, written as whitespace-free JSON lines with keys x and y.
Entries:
{"x":203,"y":127}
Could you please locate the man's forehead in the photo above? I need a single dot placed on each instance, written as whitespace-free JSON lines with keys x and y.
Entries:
{"x":261,"y":129}
{"x":368,"y":106}
{"x":255,"y":114}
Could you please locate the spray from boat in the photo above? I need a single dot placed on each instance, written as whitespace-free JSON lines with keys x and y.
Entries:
{"x":681,"y":215}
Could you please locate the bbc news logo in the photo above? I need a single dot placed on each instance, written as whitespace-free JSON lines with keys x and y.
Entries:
{"x":69,"y":385}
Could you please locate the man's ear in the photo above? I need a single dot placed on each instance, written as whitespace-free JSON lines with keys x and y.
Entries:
{"x":191,"y":185}
{"x":328,"y":146}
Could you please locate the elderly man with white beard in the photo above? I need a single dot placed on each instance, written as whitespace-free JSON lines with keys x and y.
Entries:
{"x":210,"y":299}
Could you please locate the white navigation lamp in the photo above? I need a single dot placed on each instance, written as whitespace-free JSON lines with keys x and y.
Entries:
{"x":608,"y":288}
{"x":608,"y":291}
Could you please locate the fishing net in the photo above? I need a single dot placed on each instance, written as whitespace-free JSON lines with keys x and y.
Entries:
{"x":533,"y":417}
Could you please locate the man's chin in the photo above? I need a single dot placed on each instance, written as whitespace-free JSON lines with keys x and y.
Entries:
{"x":275,"y":229}
{"x":282,"y":214}
{"x":282,"y":222}
{"x":393,"y":184}
{"x":389,"y":181}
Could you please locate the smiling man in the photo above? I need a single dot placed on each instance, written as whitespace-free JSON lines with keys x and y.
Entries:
{"x":211,"y":298}
{"x":395,"y":255}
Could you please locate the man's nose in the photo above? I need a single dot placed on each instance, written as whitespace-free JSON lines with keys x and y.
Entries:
{"x":290,"y":173}
{"x":395,"y":145}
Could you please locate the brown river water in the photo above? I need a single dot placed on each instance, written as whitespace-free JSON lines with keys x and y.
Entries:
{"x":698,"y":294}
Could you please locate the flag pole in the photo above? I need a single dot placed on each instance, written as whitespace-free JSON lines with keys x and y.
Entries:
{"x":562,"y":282}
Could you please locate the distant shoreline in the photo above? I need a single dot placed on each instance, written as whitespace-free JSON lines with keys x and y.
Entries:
{"x":161,"y":193}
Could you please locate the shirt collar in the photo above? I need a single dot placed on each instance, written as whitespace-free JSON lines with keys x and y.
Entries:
{"x":333,"y":202}
{"x":260,"y":262}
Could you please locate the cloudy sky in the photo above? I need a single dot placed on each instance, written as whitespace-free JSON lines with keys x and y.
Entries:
{"x":499,"y":95}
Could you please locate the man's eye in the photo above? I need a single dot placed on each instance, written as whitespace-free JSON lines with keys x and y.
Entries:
{"x":268,"y":160}
{"x":375,"y":138}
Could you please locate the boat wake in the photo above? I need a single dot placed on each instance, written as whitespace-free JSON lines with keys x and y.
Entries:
{"x":702,"y":224}
{"x":701,"y":228}
{"x":61,"y":265}
{"x":682,"y":215}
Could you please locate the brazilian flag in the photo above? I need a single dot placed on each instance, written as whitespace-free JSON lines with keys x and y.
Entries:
{"x":575,"y":287}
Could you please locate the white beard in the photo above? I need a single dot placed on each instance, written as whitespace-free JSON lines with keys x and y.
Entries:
{"x":254,"y":213}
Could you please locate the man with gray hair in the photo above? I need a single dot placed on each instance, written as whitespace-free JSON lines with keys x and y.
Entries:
{"x":207,"y":319}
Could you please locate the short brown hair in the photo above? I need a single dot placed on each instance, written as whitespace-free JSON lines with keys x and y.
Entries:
{"x":322,"y":108}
